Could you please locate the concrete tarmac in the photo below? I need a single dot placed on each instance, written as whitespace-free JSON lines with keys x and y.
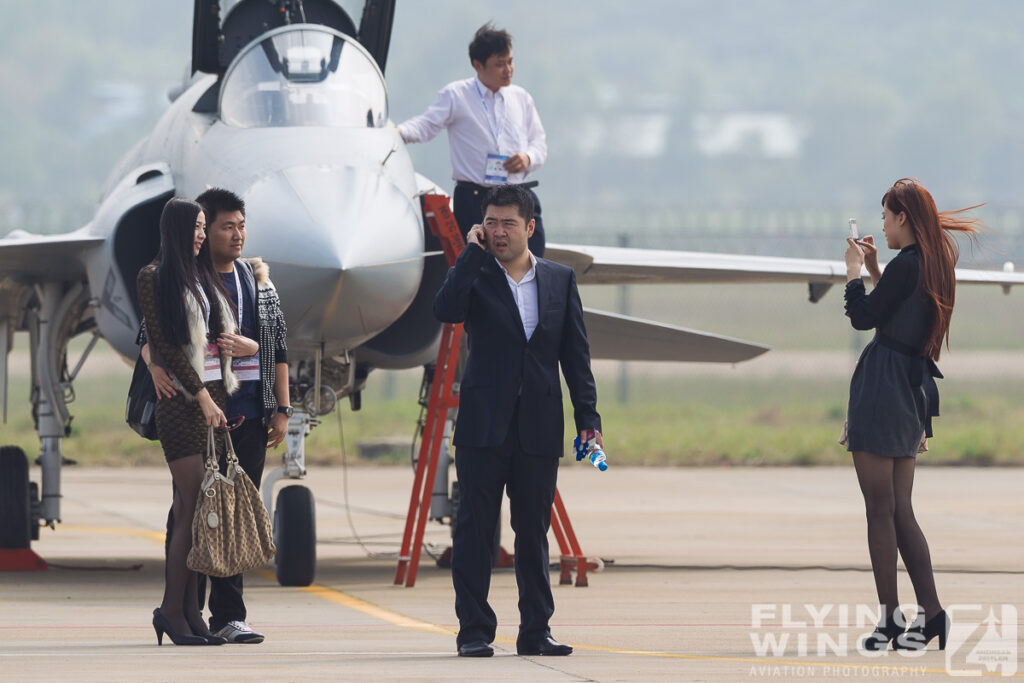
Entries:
{"x":710,"y":574}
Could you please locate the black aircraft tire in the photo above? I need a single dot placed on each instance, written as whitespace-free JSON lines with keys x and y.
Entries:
{"x":295,"y":536}
{"x":33,"y":501}
{"x":15,"y":504}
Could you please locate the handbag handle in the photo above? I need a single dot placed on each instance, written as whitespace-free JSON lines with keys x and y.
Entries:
{"x":230,"y":457}
{"x":211,"y":451}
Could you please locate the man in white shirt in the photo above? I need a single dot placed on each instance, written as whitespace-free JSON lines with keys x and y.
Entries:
{"x":494,"y":132}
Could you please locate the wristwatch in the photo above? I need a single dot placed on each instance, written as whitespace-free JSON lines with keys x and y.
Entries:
{"x":287,"y":410}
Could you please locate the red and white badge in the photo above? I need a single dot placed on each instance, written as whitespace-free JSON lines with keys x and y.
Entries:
{"x":211,"y":364}
{"x":247,"y":369}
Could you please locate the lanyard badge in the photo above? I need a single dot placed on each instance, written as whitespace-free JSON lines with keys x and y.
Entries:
{"x":247,"y":369}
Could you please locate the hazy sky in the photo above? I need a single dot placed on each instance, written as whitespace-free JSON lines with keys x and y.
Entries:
{"x":667,"y":103}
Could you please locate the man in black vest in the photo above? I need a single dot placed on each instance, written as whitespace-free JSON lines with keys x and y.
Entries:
{"x":263,"y":398}
{"x":524,"y":318}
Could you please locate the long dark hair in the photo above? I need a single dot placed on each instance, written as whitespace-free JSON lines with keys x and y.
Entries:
{"x":937,"y":248}
{"x":178,"y":272}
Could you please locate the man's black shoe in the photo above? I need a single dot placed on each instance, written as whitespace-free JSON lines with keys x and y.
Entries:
{"x":477,"y":648}
{"x":547,"y":646}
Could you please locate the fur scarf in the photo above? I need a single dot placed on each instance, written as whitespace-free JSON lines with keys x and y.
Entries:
{"x":261,"y":271}
{"x":198,"y":334}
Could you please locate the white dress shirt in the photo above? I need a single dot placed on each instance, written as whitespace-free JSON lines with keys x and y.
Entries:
{"x":480,"y":122}
{"x":525,"y":294}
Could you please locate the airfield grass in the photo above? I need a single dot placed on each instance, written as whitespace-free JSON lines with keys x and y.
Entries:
{"x":668,"y":417}
{"x":684,"y":421}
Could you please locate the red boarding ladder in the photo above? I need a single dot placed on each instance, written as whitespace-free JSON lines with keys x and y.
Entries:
{"x":443,"y":399}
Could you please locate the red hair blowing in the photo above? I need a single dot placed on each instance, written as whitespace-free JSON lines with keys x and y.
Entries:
{"x":937,"y":248}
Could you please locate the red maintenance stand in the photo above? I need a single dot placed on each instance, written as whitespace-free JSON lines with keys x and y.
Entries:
{"x":443,"y":398}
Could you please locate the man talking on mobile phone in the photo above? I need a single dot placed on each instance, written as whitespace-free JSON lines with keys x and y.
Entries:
{"x":523,"y":318}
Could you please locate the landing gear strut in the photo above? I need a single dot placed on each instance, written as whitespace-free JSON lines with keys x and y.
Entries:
{"x":54,"y":314}
{"x":294,"y":514}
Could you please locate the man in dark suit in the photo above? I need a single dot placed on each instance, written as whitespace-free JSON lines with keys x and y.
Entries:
{"x":523,"y":317}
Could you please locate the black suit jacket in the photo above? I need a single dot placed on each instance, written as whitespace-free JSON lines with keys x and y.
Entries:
{"x":503,"y":366}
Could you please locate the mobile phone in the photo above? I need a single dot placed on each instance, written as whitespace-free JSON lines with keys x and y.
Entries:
{"x":853,"y":229}
{"x":482,"y":236}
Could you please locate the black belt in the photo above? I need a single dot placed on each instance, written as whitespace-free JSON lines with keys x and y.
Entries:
{"x":897,"y":346}
{"x":918,"y":371}
{"x":526,"y":186}
{"x":908,"y":350}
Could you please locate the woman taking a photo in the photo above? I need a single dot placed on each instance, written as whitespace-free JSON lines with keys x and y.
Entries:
{"x":893,"y":395}
{"x":185,"y":311}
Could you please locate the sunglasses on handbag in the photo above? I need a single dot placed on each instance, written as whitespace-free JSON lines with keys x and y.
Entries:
{"x":232,"y":424}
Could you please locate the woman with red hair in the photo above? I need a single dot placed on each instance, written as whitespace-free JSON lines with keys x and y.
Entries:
{"x":893,"y":395}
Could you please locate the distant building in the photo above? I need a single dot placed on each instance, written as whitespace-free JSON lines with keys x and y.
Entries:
{"x":631,"y":135}
{"x":768,"y":134}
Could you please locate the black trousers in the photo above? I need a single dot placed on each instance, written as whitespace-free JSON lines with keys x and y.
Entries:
{"x":530,"y":481}
{"x":226,"y":604}
{"x":468,"y":212}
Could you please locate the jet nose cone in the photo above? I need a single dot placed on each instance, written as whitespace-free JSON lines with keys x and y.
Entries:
{"x":345,"y":248}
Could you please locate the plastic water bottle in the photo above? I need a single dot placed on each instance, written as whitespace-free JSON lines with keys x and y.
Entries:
{"x":598,"y":459}
{"x":590,"y":450}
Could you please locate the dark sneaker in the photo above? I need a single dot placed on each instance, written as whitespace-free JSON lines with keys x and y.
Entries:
{"x":239,"y":632}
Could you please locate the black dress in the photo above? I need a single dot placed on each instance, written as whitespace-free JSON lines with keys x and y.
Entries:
{"x":893,"y":395}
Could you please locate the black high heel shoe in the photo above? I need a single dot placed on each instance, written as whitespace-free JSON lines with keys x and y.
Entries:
{"x":889,"y":629}
{"x":920,"y":633}
{"x":208,"y":637}
{"x":161,"y":625}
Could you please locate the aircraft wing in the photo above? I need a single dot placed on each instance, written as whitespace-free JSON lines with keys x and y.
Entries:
{"x":596,"y":265}
{"x":28,"y":258}
{"x":622,"y":266}
{"x":622,"y":337}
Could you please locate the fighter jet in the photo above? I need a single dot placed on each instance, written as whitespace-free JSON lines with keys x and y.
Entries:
{"x":286,"y":104}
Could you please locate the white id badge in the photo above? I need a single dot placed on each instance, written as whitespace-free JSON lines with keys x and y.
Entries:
{"x":247,"y":369}
{"x":211,"y":364}
{"x":494,"y":171}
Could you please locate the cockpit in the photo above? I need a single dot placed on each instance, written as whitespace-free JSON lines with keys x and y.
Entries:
{"x":304,"y":75}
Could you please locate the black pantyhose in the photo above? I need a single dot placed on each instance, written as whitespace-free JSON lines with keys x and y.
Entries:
{"x":181,"y":604}
{"x":887,"y":484}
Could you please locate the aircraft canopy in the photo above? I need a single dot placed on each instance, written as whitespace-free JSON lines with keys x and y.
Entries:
{"x":304,"y":75}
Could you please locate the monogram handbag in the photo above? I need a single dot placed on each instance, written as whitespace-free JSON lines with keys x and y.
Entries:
{"x":140,"y":409}
{"x":231,"y":530}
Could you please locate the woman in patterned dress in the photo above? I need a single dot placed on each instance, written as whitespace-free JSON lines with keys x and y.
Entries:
{"x":185,"y":310}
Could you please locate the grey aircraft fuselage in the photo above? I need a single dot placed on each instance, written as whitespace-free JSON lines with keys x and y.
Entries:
{"x":331,"y":209}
